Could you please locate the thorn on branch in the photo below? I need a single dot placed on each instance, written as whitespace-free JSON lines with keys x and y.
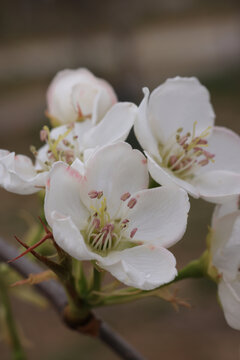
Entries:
{"x":47,"y":231}
{"x":29,"y":249}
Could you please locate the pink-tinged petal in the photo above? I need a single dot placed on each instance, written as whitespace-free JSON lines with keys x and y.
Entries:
{"x":225,"y":145}
{"x":63,"y":195}
{"x":115,"y":126}
{"x":18,"y":175}
{"x":229,"y":294}
{"x":79,"y":166}
{"x":144,"y":267}
{"x":225,"y":209}
{"x":114,"y":169}
{"x":159,"y":215}
{"x":142,"y":128}
{"x":178,"y":103}
{"x":69,"y":238}
{"x":166,"y":177}
{"x":225,"y":245}
{"x":218,"y":186}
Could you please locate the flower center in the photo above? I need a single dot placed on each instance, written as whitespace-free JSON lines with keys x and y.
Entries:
{"x":104,"y":233}
{"x":185,"y":153}
{"x":60,"y":149}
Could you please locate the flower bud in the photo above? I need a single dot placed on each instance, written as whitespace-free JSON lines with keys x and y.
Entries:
{"x":77,"y":95}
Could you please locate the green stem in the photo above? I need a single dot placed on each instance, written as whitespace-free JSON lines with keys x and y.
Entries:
{"x":18,"y":353}
{"x":195,"y":269}
{"x":80,"y":279}
{"x":97,"y":278}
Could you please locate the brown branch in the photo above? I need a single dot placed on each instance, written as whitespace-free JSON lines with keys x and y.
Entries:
{"x":54,"y":292}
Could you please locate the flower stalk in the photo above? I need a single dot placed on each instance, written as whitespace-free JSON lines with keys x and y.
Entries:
{"x":17,"y":350}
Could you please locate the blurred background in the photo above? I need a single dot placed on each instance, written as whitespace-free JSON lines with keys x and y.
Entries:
{"x":131,"y":44}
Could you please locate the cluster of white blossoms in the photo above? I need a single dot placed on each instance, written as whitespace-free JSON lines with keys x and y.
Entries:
{"x":97,"y":200}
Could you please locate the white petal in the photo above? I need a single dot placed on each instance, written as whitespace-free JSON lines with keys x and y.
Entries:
{"x":144,"y":267}
{"x":225,"y":209}
{"x":59,"y":95}
{"x":160,"y":215}
{"x":178,"y":103}
{"x":225,"y":145}
{"x":142,"y":128}
{"x":229,"y":294}
{"x":115,"y":126}
{"x":166,"y":177}
{"x":70,"y":239}
{"x":114,"y":169}
{"x":79,"y":166}
{"x":63,"y":195}
{"x":225,"y":245}
{"x":218,"y":186}
{"x":18,"y":175}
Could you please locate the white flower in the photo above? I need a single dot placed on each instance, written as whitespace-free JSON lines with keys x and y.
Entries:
{"x":18,"y":174}
{"x":65,"y":143}
{"x":74,"y":95}
{"x":105,"y":213}
{"x":175,"y":127}
{"x":225,"y":250}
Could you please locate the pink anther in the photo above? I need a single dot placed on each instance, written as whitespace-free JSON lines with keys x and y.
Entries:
{"x":132,"y":202}
{"x":93,"y":194}
{"x":133,"y":232}
{"x":125,"y":196}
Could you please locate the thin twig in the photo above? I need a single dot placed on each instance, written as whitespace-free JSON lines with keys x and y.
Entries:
{"x":56,"y":295}
{"x":17,"y":350}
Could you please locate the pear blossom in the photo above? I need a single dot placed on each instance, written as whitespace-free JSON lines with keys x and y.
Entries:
{"x":225,"y":251}
{"x":75,"y":95}
{"x":175,"y":127}
{"x":105,"y":213}
{"x":65,"y":143}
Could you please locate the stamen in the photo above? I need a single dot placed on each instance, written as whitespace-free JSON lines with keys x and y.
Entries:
{"x":93,"y":194}
{"x":184,"y":153}
{"x":103,"y":233}
{"x":132,"y":202}
{"x":100,"y":194}
{"x":125,"y":196}
{"x":133,"y":232}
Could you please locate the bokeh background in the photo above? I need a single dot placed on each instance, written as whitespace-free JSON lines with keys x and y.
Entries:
{"x":131,"y":44}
